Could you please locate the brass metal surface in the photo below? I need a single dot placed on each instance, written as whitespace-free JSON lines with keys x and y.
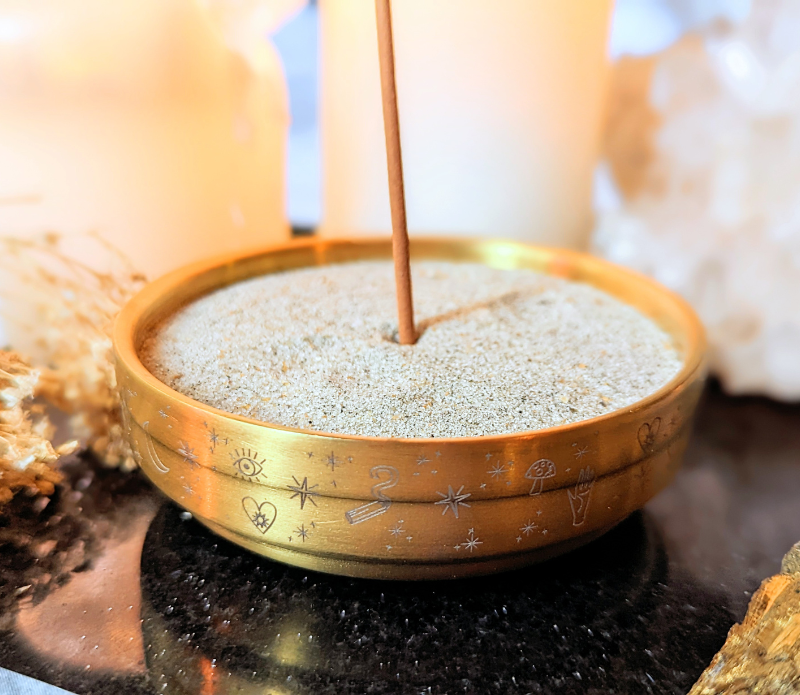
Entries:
{"x":406,"y":508}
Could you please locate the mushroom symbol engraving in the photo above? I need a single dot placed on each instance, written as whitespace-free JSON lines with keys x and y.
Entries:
{"x":538,"y":471}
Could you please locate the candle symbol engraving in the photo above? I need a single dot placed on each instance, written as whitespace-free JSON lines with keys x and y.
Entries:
{"x":261,"y":515}
{"x":538,"y":472}
{"x":151,"y":450}
{"x":579,"y":497}
{"x":372,"y":509}
{"x":647,"y":435}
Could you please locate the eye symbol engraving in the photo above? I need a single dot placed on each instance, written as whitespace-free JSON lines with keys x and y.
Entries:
{"x":247,"y":464}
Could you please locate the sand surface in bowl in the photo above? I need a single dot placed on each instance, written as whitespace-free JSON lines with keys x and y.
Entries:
{"x":501,"y":351}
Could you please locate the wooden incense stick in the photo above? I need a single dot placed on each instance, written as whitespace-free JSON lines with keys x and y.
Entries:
{"x":394,"y":160}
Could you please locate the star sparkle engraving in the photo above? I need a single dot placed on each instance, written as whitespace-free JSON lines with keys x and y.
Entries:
{"x":303,"y":491}
{"x":214,"y":439}
{"x":302,"y":532}
{"x":488,"y":456}
{"x":310,"y":454}
{"x":397,"y":529}
{"x":519,"y":539}
{"x":528,"y":528}
{"x":188,"y":454}
{"x":333,"y":461}
{"x":163,"y":414}
{"x":453,"y":500}
{"x":580,"y":453}
{"x":421,"y":459}
{"x":497,"y":470}
{"x":388,"y":547}
{"x":472,"y":541}
{"x":438,"y":454}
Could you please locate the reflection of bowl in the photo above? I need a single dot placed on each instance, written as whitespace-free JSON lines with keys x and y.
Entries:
{"x":216,"y":619}
{"x":406,"y":508}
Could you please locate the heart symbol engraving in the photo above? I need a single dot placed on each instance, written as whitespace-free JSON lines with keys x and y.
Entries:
{"x":262,"y":515}
{"x":647,"y":435}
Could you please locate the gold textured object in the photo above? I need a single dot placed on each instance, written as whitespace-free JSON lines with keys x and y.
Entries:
{"x":406,"y":508}
{"x":762,"y":655}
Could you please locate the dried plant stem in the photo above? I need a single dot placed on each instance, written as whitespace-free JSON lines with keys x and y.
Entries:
{"x":394,"y":160}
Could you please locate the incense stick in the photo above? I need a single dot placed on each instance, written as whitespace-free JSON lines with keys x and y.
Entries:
{"x":394,"y":161}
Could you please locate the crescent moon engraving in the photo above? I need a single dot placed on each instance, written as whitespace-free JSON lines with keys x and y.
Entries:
{"x":151,"y":450}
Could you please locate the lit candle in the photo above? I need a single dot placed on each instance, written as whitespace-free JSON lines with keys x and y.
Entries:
{"x":500,"y":111}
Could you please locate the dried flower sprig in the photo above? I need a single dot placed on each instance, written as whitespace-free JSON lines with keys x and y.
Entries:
{"x":74,"y":307}
{"x":26,"y":454}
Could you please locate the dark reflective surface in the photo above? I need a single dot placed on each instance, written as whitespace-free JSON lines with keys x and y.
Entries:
{"x":152,"y":602}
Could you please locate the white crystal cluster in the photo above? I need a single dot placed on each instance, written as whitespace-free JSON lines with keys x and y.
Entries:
{"x":708,"y":146}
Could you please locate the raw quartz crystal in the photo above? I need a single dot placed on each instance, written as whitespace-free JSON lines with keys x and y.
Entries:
{"x":704,"y":146}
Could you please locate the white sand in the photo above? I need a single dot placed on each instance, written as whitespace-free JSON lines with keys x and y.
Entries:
{"x":502,"y":351}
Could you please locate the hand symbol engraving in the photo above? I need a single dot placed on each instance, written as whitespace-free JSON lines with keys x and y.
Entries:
{"x":579,"y":497}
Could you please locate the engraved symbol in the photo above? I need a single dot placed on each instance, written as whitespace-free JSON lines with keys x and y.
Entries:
{"x":333,"y":461}
{"x":372,"y":509}
{"x":262,"y":515}
{"x":247,"y":464}
{"x":302,"y":532}
{"x":528,"y":528}
{"x":305,"y":493}
{"x":472,"y":542}
{"x":452,"y":499}
{"x":188,"y":454}
{"x":497,"y":470}
{"x":580,"y":453}
{"x":647,"y":435}
{"x":422,"y":459}
{"x":151,"y":450}
{"x":163,"y":414}
{"x":538,"y":472}
{"x":125,"y":411}
{"x":579,"y":498}
{"x":214,"y":439}
{"x":397,"y":529}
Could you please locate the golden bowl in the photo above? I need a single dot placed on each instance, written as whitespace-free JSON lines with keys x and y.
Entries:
{"x":406,"y":508}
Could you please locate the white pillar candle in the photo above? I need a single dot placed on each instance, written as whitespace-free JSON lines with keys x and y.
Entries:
{"x":134,"y":118}
{"x":500,"y":112}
